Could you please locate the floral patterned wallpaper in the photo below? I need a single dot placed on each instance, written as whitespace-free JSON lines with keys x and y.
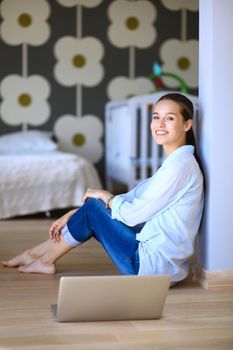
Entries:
{"x":62,"y":60}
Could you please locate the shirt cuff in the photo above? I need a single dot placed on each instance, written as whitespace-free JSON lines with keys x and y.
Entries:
{"x":116,"y":203}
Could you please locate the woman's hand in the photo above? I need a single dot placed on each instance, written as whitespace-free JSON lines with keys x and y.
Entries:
{"x":98,"y":194}
{"x":57,"y":226}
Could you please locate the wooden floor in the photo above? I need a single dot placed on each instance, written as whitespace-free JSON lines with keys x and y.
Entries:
{"x":193,"y":318}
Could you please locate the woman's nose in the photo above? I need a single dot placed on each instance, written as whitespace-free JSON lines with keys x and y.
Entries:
{"x":162,"y":122}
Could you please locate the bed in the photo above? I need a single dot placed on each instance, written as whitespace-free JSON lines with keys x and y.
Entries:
{"x":38,"y":178}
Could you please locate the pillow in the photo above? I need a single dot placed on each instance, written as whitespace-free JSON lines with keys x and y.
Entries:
{"x":27,"y":142}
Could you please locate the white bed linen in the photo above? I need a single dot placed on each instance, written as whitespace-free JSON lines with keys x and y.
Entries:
{"x":41,"y":182}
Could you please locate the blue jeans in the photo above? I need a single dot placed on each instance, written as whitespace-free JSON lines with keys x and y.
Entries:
{"x":119,"y":240}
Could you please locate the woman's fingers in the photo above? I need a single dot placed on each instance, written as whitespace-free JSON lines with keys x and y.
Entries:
{"x":55,"y":231}
{"x":57,"y":226}
{"x":55,"y":235}
{"x":52,"y":230}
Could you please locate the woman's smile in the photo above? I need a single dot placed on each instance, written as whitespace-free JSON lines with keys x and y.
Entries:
{"x":161,"y":132}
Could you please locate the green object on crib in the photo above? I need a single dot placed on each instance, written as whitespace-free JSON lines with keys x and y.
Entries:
{"x":158,"y":72}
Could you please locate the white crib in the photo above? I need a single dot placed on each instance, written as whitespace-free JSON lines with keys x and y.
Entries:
{"x":131,"y":154}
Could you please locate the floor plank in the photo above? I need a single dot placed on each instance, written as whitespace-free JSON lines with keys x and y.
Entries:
{"x":193,"y":318}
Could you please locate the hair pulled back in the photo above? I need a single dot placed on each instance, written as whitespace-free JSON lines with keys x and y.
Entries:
{"x":186,"y":110}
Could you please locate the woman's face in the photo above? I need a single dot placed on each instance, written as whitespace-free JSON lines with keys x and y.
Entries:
{"x":168,"y":126}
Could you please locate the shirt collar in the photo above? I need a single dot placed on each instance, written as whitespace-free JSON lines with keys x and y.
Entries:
{"x":178,"y":152}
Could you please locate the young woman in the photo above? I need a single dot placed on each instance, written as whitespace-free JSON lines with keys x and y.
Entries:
{"x":152,"y":228}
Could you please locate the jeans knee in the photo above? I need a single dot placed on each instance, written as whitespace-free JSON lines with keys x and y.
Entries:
{"x":94,"y":204}
{"x":95,"y":209}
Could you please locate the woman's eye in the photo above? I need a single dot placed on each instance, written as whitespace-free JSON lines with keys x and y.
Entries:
{"x":155,"y":117}
{"x":170,"y":118}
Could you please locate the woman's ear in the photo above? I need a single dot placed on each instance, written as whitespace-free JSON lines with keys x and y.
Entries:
{"x":188,"y":124}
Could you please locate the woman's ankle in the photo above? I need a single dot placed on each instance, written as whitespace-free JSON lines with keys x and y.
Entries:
{"x":47,"y":260}
{"x":55,"y":252}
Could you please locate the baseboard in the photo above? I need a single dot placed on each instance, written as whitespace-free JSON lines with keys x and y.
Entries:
{"x":222,"y":280}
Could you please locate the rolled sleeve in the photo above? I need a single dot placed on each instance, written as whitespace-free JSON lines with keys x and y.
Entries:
{"x":116,"y":203}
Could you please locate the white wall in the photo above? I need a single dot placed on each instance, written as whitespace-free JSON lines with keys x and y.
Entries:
{"x":216,"y":108}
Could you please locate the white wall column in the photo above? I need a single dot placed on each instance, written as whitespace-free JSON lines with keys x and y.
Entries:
{"x":216,"y":112}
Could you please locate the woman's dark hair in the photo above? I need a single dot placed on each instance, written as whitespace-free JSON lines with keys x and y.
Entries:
{"x":186,"y":109}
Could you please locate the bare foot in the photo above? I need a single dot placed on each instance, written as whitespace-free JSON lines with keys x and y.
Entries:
{"x":19,"y":260}
{"x":38,"y":266}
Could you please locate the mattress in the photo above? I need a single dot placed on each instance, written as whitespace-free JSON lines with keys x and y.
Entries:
{"x":42,"y":182}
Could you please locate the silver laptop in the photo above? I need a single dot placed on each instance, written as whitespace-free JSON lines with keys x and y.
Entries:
{"x":108,"y":298}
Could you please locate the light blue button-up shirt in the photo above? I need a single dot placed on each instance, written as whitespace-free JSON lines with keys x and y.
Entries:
{"x":170,"y":203}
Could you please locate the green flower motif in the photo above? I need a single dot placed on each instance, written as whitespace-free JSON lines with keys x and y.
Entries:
{"x":25,"y":20}
{"x":79,"y":139}
{"x":25,"y":100}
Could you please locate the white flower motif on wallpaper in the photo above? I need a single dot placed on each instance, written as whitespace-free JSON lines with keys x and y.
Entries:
{"x":80,"y":135}
{"x":24,"y":21}
{"x":180,"y":58}
{"x":25,"y":100}
{"x":122,"y":87}
{"x":132,"y":23}
{"x":79,"y":61}
{"x":86,"y":3}
{"x":191,"y":5}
